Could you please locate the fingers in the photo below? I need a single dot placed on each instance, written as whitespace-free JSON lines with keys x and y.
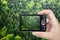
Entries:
{"x":47,"y":26}
{"x":47,"y":20}
{"x":50,"y":15}
{"x":48,"y":12}
{"x":46,"y":35}
{"x":51,"y":22}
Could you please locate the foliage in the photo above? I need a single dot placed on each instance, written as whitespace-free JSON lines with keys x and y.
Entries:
{"x":9,"y":16}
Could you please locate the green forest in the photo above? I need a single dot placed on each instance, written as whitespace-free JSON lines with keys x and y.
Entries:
{"x":9,"y":16}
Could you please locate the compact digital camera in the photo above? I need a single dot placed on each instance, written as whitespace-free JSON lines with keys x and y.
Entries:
{"x":32,"y":22}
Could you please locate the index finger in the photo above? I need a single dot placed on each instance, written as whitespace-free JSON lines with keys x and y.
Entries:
{"x":48,"y":12}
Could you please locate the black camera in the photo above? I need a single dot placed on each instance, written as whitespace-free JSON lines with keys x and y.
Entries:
{"x":32,"y":22}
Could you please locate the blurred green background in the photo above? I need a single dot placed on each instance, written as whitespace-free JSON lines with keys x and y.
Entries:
{"x":9,"y":16}
{"x":30,"y":23}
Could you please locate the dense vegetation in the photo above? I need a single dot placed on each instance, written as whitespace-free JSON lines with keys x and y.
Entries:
{"x":9,"y":16}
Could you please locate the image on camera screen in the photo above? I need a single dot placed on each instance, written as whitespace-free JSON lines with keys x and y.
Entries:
{"x":30,"y":23}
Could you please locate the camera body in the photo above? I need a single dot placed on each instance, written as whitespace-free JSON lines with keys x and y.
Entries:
{"x":41,"y":22}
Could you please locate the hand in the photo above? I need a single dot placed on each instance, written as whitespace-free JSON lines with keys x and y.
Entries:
{"x":52,"y":27}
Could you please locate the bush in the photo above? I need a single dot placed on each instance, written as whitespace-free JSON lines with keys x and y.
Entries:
{"x":9,"y":16}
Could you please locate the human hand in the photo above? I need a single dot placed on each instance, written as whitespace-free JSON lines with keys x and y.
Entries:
{"x":52,"y":27}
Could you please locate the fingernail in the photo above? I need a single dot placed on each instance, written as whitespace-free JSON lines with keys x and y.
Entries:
{"x":38,"y":13}
{"x":32,"y":32}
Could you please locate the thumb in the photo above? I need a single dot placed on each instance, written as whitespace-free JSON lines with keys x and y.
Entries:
{"x":46,"y":35}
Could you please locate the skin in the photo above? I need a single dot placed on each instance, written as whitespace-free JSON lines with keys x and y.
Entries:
{"x":52,"y":28}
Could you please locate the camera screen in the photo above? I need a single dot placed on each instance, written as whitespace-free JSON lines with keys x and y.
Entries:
{"x":30,"y":22}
